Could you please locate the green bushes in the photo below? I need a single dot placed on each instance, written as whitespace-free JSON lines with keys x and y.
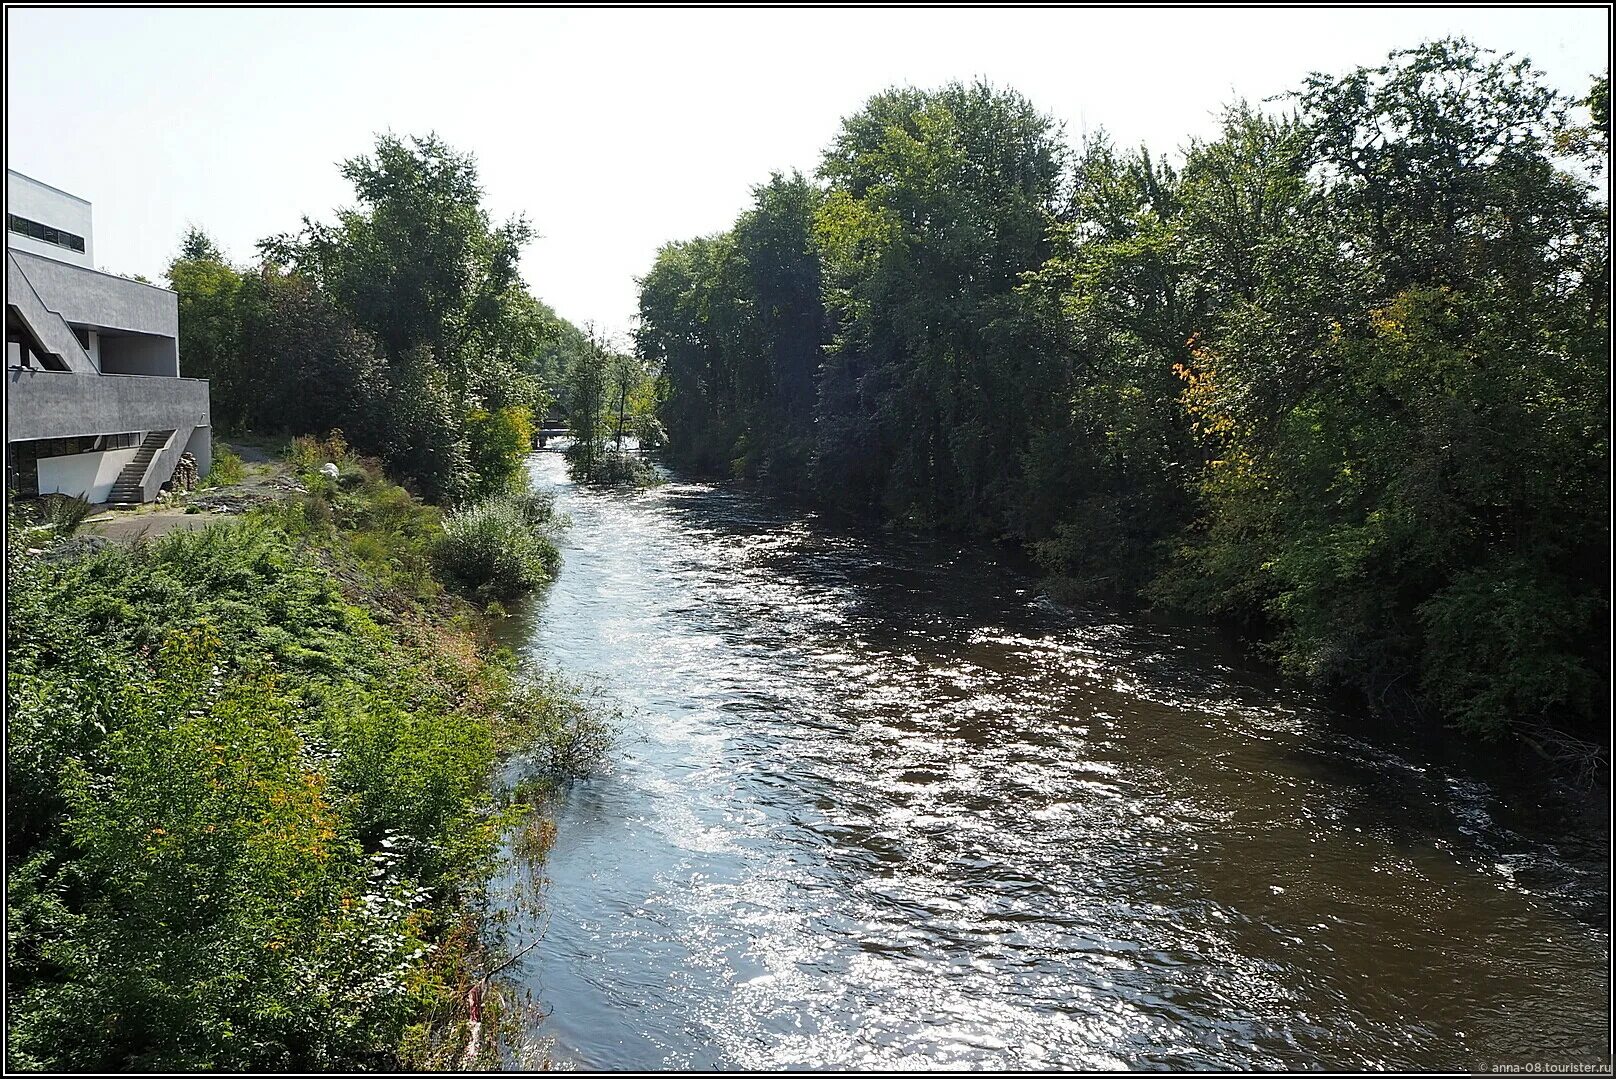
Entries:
{"x":192,"y":882}
{"x":65,"y":513}
{"x":56,"y":514}
{"x":499,"y":441}
{"x":249,"y":809}
{"x":498,"y":547}
{"x":373,"y":522}
{"x":226,"y":468}
{"x":207,"y":902}
{"x":565,"y":725}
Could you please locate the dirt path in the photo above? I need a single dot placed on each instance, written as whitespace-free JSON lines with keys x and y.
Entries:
{"x":267,"y":480}
{"x":129,"y":527}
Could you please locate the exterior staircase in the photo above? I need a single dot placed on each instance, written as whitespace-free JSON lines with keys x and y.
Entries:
{"x":129,"y":488}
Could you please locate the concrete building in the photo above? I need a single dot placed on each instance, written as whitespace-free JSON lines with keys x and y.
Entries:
{"x":95,"y":404}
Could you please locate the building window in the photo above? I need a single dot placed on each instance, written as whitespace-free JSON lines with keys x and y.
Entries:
{"x":44,"y":233}
{"x":84,"y":337}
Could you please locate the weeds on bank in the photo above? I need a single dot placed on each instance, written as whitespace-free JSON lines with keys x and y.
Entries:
{"x":251,"y":812}
{"x":225,"y":469}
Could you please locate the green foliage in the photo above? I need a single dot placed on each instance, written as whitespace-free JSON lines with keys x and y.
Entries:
{"x":498,"y":444}
{"x":363,"y":517}
{"x":567,"y":727}
{"x":419,"y":263}
{"x":938,"y":202}
{"x":735,"y":324}
{"x":64,"y":513}
{"x":499,"y":546}
{"x":404,"y":322}
{"x":630,"y":400}
{"x":225,"y":468}
{"x":586,"y":405}
{"x":248,"y":789}
{"x":616,"y":469}
{"x":224,"y":916}
{"x":1339,"y":377}
{"x":211,"y":334}
{"x":610,"y":396}
{"x":1418,"y":465}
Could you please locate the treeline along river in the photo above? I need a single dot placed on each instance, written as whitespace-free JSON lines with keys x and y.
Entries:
{"x":880,"y":802}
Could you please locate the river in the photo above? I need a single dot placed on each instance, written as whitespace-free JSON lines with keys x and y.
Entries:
{"x":879,"y":802}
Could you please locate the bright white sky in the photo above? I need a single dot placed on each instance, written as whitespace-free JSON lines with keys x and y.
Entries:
{"x":615,"y":131}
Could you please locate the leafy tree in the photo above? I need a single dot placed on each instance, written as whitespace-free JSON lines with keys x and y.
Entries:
{"x":418,"y":262}
{"x":197,"y":246}
{"x":422,"y":268}
{"x":937,"y":203}
{"x":1339,"y":376}
{"x":1107,"y":320}
{"x":688,"y":326}
{"x":500,"y":440}
{"x":1414,"y":405}
{"x":1591,"y":141}
{"x":210,"y":337}
{"x":404,"y":323}
{"x":587,"y":399}
{"x":313,"y":369}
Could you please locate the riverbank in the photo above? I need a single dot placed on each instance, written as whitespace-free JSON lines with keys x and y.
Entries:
{"x":252,"y":807}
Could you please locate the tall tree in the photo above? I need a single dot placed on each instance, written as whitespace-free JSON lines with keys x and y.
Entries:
{"x":938,"y":202}
{"x":420,"y":265}
{"x":210,"y":334}
{"x":1339,"y":376}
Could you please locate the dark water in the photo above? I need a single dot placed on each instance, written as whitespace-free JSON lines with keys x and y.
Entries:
{"x":880,"y":803}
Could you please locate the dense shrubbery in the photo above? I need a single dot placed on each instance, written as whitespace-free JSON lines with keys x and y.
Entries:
{"x":499,"y":547}
{"x":619,"y":468}
{"x":56,"y":514}
{"x":249,"y":818}
{"x":1339,"y":377}
{"x":609,"y":467}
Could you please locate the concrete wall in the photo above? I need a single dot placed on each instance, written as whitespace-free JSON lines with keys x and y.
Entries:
{"x":27,"y":197}
{"x":102,"y":301}
{"x":87,"y":474}
{"x":58,"y":404}
{"x":137,"y":354}
{"x":47,"y":328}
{"x":200,"y":447}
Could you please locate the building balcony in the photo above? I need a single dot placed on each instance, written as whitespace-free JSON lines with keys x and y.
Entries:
{"x":59,"y":404}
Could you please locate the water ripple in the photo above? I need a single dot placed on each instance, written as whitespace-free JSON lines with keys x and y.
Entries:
{"x":884,"y":805}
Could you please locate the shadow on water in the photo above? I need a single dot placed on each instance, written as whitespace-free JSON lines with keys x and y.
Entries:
{"x":884,"y":803}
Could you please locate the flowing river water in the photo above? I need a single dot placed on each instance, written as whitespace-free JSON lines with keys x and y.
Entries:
{"x":879,"y":802}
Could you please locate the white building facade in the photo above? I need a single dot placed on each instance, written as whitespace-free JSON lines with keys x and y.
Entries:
{"x":95,"y":404}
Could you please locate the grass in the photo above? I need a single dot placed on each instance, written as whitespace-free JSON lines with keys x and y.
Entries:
{"x":64,"y":513}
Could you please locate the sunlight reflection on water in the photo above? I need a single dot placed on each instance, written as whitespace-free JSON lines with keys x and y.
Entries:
{"x":881,"y":804}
